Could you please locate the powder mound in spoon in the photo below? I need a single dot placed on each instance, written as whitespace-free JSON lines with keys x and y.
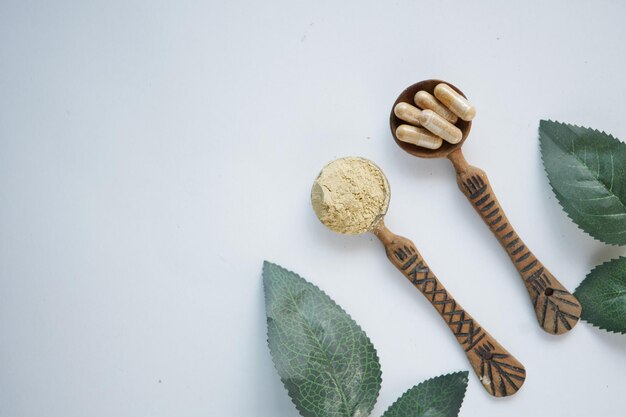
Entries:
{"x":350,"y":195}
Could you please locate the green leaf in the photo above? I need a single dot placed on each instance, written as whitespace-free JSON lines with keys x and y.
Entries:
{"x":603,"y":296}
{"x":327,"y":363}
{"x":587,"y":171}
{"x":437,"y":397}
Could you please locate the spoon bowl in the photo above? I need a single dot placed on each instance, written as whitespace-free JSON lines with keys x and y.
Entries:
{"x":350,"y":195}
{"x":407,"y":97}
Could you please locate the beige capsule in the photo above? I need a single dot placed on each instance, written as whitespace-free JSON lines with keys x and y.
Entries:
{"x":440,"y":126}
{"x":407,"y":113}
{"x":455,"y":102}
{"x":424,"y":100}
{"x":418,"y":136}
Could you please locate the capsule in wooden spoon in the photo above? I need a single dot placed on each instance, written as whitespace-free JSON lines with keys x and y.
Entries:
{"x":425,"y":101}
{"x":455,"y":102}
{"x":440,"y":126}
{"x":418,"y":136}
{"x":407,"y":113}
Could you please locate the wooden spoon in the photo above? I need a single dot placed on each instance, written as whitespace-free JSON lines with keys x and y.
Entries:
{"x":499,"y":372}
{"x":557,"y":310}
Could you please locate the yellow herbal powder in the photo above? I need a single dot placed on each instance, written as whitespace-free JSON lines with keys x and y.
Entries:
{"x":350,"y":195}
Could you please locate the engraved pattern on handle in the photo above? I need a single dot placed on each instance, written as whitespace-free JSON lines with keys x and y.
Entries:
{"x":557,"y":310}
{"x":499,"y":372}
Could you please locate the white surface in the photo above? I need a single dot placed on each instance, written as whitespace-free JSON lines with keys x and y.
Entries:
{"x":153,"y":154}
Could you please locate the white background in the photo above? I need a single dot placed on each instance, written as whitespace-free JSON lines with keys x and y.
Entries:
{"x":153,"y":154}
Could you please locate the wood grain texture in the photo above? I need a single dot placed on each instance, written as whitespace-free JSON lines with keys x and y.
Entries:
{"x":500,"y":373}
{"x":557,"y":310}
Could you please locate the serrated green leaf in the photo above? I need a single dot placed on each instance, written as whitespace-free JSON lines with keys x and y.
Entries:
{"x":327,"y":363}
{"x":603,"y":296}
{"x":437,"y":397}
{"x":587,"y":171}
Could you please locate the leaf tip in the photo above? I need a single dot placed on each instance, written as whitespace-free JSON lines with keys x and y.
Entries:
{"x":268,"y":276}
{"x":544,"y":123}
{"x":462,"y":376}
{"x":268,"y":268}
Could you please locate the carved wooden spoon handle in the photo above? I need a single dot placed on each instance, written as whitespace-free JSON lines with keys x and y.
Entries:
{"x":500,"y":373}
{"x":556,"y":308}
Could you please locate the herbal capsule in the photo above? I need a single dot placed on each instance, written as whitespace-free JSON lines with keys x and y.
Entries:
{"x":418,"y":136}
{"x":440,"y":126}
{"x":455,"y":102}
{"x":407,"y":113}
{"x":426,"y":101}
